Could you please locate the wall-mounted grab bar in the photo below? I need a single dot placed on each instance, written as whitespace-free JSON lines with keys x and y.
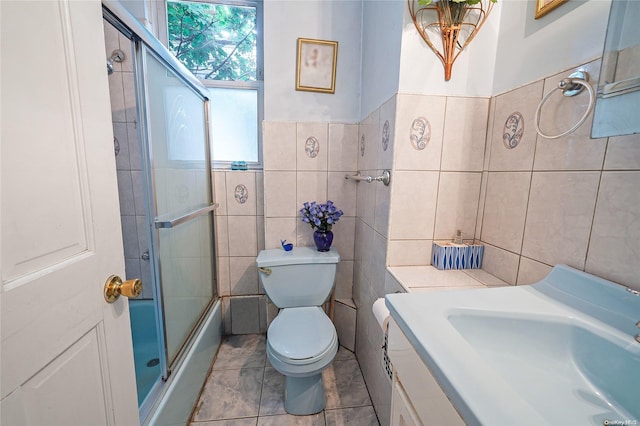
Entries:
{"x":184,"y":218}
{"x":385,"y":177}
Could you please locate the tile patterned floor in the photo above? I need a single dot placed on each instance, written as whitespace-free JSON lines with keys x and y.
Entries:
{"x":243,"y":389}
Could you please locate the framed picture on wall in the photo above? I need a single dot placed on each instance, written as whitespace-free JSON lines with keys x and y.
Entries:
{"x":545,"y":6}
{"x":316,"y":69}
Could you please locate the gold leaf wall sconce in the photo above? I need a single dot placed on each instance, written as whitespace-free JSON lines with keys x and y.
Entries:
{"x":448,"y":26}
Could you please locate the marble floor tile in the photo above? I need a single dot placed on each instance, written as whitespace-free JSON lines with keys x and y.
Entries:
{"x":361,"y":416}
{"x":290,"y":420}
{"x":230,"y":394}
{"x":244,"y":390}
{"x":344,"y":385}
{"x":344,"y":354}
{"x":250,"y":421}
{"x":241,"y":351}
{"x":272,"y":399}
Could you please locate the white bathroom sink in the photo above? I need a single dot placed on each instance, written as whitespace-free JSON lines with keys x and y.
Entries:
{"x":558,"y":364}
{"x":557,"y":352}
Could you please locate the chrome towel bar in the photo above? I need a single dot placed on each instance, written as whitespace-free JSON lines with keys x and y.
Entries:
{"x":385,"y":177}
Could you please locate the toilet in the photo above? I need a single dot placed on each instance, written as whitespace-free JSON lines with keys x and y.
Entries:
{"x":301,"y":340}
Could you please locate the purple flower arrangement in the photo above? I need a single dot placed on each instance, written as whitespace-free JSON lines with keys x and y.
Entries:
{"x":321,"y":216}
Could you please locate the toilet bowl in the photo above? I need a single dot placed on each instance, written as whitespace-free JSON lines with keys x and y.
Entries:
{"x":301,"y":340}
{"x":301,"y":343}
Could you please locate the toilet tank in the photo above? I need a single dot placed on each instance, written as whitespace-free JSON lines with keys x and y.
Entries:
{"x":301,"y":277}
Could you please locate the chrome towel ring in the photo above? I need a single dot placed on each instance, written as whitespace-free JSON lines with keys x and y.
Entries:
{"x":569,"y":86}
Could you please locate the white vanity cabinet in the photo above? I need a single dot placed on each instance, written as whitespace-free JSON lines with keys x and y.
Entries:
{"x":416,"y":399}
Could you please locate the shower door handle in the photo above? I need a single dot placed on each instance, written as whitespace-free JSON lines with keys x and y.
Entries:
{"x":159,"y":224}
{"x":114,"y":287}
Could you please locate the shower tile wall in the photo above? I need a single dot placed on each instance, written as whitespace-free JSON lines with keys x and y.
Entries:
{"x":128,"y":161}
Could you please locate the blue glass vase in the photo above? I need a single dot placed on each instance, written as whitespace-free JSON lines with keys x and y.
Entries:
{"x":323,"y":239}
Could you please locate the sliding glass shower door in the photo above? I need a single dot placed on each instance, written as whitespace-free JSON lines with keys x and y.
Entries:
{"x":180,"y":203}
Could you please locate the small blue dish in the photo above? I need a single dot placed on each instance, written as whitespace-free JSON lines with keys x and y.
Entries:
{"x":286,"y":246}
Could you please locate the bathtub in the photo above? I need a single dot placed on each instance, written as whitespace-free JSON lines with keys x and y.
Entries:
{"x":561,"y":351}
{"x":145,"y":345}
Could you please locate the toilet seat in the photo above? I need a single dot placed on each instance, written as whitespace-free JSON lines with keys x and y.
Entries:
{"x":301,"y":335}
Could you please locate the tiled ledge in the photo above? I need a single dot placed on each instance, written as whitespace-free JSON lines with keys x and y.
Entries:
{"x":411,"y":279}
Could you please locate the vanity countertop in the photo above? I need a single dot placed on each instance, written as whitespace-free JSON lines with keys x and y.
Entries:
{"x":558,"y":351}
{"x":416,"y":279}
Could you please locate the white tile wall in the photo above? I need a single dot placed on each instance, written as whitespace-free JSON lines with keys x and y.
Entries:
{"x":368,"y":142}
{"x":240,"y":227}
{"x":279,"y":146}
{"x":280,"y":194}
{"x":343,"y":147}
{"x":345,"y":320}
{"x":623,"y":152}
{"x":465,"y":132}
{"x":409,"y":252}
{"x":505,"y":208}
{"x":243,"y":238}
{"x":310,"y":186}
{"x":386,"y":134}
{"x":457,"y":206}
{"x":561,"y":206}
{"x":342,"y":192}
{"x":581,"y":206}
{"x":413,"y":205}
{"x":614,"y":248}
{"x":501,"y":263}
{"x":535,"y":205}
{"x":531,"y":271}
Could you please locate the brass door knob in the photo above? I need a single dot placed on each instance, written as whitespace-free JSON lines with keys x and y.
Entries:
{"x":114,"y":287}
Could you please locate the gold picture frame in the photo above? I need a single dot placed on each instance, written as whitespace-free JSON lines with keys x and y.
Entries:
{"x":316,"y":65}
{"x":545,"y":6}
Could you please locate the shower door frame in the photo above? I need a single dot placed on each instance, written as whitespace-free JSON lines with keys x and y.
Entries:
{"x":143,"y":41}
{"x":141,"y":49}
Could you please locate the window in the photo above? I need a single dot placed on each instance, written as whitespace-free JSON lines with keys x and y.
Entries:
{"x":220,"y":43}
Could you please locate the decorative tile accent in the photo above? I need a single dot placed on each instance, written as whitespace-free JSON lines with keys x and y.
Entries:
{"x":312,"y":147}
{"x":420,"y":133}
{"x":362,"y":146}
{"x":513,"y":130}
{"x":385,"y":135}
{"x":241,"y":194}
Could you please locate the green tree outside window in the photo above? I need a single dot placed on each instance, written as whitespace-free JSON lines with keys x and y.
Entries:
{"x":214,"y":41}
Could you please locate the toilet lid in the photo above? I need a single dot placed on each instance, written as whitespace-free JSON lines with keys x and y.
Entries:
{"x":301,"y":333}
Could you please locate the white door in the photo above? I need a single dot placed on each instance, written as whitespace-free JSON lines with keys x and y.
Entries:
{"x":66,"y":355}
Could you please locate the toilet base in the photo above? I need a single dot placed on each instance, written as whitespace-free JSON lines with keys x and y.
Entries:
{"x":304,"y":395}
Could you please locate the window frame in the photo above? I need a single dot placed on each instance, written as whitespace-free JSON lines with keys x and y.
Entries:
{"x":258,"y":84}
